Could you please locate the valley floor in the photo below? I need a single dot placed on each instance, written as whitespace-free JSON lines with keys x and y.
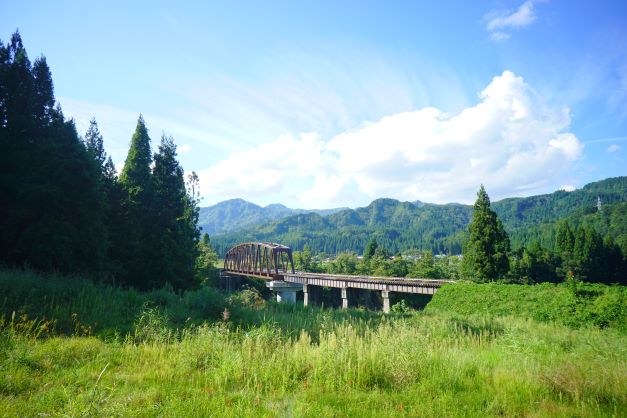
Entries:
{"x":257,"y":358}
{"x":416,"y":365}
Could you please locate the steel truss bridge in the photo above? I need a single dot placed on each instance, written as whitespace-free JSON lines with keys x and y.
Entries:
{"x":274,"y":262}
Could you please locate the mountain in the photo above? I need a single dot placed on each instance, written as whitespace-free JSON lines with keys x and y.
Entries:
{"x":235,"y":214}
{"x":401,"y":226}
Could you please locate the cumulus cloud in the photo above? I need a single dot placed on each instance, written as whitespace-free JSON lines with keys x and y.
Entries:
{"x":498,"y":23}
{"x":510,"y":140}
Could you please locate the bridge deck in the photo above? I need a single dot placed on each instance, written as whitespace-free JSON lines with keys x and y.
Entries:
{"x":391,"y":284}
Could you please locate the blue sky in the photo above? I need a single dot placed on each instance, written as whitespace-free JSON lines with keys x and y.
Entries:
{"x":322,"y":104}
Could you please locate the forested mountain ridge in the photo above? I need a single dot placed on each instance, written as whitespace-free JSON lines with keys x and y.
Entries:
{"x":400,"y":226}
{"x":523,"y":211}
{"x":235,"y":214}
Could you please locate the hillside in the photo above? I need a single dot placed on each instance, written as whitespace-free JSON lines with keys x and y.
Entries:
{"x":403,"y":225}
{"x":235,"y":214}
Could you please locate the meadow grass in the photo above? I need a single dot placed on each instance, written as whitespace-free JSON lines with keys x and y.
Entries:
{"x":265,"y":359}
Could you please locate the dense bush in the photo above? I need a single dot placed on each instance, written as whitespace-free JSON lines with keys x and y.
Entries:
{"x":574,"y":305}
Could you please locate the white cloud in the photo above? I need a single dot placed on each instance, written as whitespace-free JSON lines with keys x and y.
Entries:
{"x":500,"y":36}
{"x":613,"y":148}
{"x":511,"y":141}
{"x":568,"y":188}
{"x":184,"y":148}
{"x":498,"y":23}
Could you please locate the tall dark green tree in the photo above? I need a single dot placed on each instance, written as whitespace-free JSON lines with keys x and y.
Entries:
{"x":371,"y":248}
{"x":111,"y":192}
{"x":205,"y":267}
{"x":174,"y":236}
{"x":133,"y":254}
{"x":136,"y":176}
{"x":613,"y":262}
{"x":51,"y":211}
{"x":95,"y":144}
{"x":485,"y":252}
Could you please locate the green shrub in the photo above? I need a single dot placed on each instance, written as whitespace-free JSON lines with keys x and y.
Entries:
{"x":587,"y":304}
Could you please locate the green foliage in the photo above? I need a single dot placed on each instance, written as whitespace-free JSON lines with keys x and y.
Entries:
{"x":152,"y":327}
{"x":534,"y":265}
{"x":345,"y":263}
{"x":311,"y":362}
{"x":426,"y":266}
{"x":66,"y":303}
{"x":486,"y":251}
{"x":173,"y":241}
{"x":63,"y":208}
{"x":371,"y":248}
{"x":400,"y":307}
{"x":94,"y":143}
{"x":572,"y":304}
{"x":305,"y":261}
{"x":135,"y":176}
{"x":51,"y":216}
{"x":205,"y":268}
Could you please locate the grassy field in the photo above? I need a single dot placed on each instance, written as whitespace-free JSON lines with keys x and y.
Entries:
{"x":253,"y":358}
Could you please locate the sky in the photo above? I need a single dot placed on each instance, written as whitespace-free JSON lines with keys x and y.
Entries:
{"x":320,"y":104}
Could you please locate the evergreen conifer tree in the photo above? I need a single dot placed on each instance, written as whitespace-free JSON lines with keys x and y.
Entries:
{"x":371,"y":248}
{"x":51,"y":209}
{"x":134,"y":253}
{"x":174,"y":240}
{"x":136,"y":176}
{"x":485,"y":252}
{"x":95,"y":144}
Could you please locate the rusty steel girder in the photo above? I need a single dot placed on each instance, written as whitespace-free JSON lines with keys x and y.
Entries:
{"x":260,"y":259}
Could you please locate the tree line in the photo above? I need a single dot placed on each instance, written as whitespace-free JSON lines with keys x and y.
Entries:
{"x":63,"y":206}
{"x":580,"y":254}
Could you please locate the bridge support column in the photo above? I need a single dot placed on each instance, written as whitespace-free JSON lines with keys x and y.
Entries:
{"x":307,"y":295}
{"x":344,"y":298}
{"x":385,"y":294}
{"x":288,"y":296}
{"x":285,"y":292}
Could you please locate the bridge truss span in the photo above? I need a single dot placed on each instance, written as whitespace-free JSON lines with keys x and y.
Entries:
{"x":259,"y":259}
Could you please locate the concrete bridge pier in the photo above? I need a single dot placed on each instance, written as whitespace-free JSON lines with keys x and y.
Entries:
{"x":385,"y":294}
{"x":285,"y":291}
{"x":344,"y":297}
{"x":307,"y":299}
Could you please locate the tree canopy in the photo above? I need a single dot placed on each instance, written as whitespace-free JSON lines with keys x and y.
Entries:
{"x":62,"y":206}
{"x":487,"y":248}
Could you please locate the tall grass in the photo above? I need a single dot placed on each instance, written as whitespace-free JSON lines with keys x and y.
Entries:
{"x":418,"y":365}
{"x":249,"y":357}
{"x":69,"y":304}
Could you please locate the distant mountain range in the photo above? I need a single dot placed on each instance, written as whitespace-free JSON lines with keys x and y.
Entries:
{"x":403,"y":225}
{"x":235,"y":214}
